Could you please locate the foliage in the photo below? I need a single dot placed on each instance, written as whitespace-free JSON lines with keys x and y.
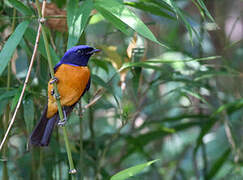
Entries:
{"x":168,"y":83}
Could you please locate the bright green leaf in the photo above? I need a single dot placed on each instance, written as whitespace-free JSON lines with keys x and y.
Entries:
{"x":71,"y":10}
{"x":151,"y":8}
{"x":77,"y":20}
{"x":119,"y":11}
{"x":21,"y":7}
{"x":16,"y":98}
{"x":115,"y":21}
{"x":11,"y":44}
{"x":132,"y":171}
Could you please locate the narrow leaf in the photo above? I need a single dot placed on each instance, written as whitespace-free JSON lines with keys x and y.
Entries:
{"x":151,"y":8}
{"x":231,"y":107}
{"x":125,"y":15}
{"x":16,"y":98}
{"x":11,"y":44}
{"x":200,"y":2}
{"x":30,"y":35}
{"x":116,"y":22}
{"x":132,"y":171}
{"x":77,"y":23}
{"x":7,"y":94}
{"x":21,"y":7}
{"x":218,"y":164}
{"x":29,"y":112}
{"x":71,"y":10}
{"x":151,"y":64}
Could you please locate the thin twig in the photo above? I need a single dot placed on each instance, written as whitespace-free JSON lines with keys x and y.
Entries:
{"x":95,"y":98}
{"x":25,"y":84}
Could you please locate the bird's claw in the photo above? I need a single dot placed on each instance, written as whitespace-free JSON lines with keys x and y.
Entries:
{"x":53,"y":80}
{"x":57,"y":97}
{"x":64,"y":121}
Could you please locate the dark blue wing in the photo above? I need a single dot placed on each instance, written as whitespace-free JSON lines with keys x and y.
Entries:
{"x":87,"y":87}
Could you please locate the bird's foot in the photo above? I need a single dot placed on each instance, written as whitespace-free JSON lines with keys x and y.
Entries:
{"x":64,"y":121}
{"x":54,"y":80}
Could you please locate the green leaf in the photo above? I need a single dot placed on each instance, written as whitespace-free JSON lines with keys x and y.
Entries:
{"x":30,"y":35}
{"x":71,"y":11}
{"x":181,"y":15}
{"x":218,"y":164}
{"x":119,"y":11}
{"x":16,"y":98}
{"x":116,"y":22}
{"x":7,"y":94}
{"x":77,"y":20}
{"x":132,"y":171}
{"x":151,"y":64}
{"x":151,"y":8}
{"x":200,"y":2}
{"x":208,"y":75}
{"x":100,"y":81}
{"x":194,"y":94}
{"x":59,"y":3}
{"x":3,"y":105}
{"x":11,"y":44}
{"x":160,"y":132}
{"x":101,"y":64}
{"x":161,"y":4}
{"x":29,"y":112}
{"x":21,"y":7}
{"x":230,"y":107}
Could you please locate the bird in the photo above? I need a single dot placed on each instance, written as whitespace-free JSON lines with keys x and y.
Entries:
{"x":72,"y":76}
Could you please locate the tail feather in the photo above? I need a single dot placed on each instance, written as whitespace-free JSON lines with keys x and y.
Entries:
{"x":43,"y":130}
{"x":46,"y":137}
{"x":42,"y":133}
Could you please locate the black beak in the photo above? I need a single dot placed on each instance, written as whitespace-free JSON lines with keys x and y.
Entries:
{"x":94,"y":51}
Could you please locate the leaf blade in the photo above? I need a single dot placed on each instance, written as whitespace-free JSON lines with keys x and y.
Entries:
{"x":131,"y":171}
{"x":29,"y":113}
{"x":21,"y":7}
{"x":77,"y":23}
{"x":126,"y":16}
{"x":11,"y":45}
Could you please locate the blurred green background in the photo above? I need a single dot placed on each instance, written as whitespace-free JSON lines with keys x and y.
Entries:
{"x":169,"y":78}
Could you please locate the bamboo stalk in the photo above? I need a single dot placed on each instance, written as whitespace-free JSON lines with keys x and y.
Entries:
{"x":72,"y":170}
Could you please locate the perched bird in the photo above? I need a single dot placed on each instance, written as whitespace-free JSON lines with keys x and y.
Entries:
{"x":73,"y":80}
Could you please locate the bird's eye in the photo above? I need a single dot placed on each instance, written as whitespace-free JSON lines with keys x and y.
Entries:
{"x":81,"y":52}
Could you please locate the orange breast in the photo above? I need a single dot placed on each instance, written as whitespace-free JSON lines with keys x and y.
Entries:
{"x":72,"y":81}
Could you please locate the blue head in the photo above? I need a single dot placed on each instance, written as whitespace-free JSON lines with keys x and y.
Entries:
{"x":78,"y":55}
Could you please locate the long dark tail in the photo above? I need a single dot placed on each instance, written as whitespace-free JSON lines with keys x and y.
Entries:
{"x":42,"y":133}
